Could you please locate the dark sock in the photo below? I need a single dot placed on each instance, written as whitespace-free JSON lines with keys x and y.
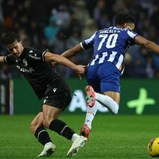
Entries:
{"x":61,"y":128}
{"x":42,"y":135}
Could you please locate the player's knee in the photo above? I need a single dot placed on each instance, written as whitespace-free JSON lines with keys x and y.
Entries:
{"x":47,"y":121}
{"x":33,"y":127}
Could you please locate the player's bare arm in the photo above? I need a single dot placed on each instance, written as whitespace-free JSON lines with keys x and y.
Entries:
{"x":50,"y":57}
{"x":71,"y":52}
{"x":147,"y":43}
{"x":1,"y":59}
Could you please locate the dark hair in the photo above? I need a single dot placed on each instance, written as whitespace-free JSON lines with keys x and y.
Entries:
{"x":122,"y":18}
{"x":10,"y":38}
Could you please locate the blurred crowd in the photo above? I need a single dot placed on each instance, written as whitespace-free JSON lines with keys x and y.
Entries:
{"x":58,"y":25}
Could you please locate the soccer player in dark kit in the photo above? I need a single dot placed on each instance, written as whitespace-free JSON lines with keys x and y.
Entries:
{"x":36,"y":67}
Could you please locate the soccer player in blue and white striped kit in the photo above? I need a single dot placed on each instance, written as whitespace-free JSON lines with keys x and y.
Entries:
{"x":104,"y":71}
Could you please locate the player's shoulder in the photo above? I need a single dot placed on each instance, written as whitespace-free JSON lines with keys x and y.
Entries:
{"x":105,"y":29}
{"x":33,"y":53}
{"x":131,"y":33}
{"x":32,"y":50}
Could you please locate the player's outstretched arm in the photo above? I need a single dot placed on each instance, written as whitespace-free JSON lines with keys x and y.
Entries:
{"x":51,"y":57}
{"x":1,"y":59}
{"x":147,"y":43}
{"x":71,"y":52}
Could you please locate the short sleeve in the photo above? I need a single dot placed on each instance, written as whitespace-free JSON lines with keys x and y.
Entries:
{"x":88,"y":43}
{"x":36,"y":54}
{"x":10,"y":59}
{"x":131,"y":36}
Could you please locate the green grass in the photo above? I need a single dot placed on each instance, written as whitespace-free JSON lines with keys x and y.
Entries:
{"x":112,"y":137}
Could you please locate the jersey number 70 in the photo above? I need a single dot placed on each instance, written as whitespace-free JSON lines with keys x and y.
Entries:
{"x":111,"y":40}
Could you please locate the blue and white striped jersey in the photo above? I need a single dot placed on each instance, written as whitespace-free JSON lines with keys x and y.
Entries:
{"x":110,"y":45}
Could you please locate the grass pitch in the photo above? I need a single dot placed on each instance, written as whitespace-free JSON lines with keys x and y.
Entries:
{"x":112,"y":137}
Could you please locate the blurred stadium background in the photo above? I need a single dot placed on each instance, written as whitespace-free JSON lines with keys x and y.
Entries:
{"x":58,"y":25}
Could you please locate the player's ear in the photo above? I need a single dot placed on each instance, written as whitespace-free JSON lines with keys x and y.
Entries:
{"x":22,"y":42}
{"x":130,"y":26}
{"x":126,"y":25}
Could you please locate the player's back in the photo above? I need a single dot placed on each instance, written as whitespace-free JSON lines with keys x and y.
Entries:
{"x":110,"y":44}
{"x":110,"y":39}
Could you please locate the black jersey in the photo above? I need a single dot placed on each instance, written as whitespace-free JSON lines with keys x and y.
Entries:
{"x":32,"y":65}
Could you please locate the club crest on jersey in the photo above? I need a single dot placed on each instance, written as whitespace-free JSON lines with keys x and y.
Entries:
{"x":25,"y":62}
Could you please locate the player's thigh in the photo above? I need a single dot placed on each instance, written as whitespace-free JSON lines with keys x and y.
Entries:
{"x":109,"y":78}
{"x":92,"y":77}
{"x":114,"y":95}
{"x":111,"y":89}
{"x":50,"y":112}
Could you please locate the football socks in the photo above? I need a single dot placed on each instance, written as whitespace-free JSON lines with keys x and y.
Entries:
{"x":42,"y":135}
{"x":108,"y":102}
{"x":91,"y":112}
{"x":61,"y":128}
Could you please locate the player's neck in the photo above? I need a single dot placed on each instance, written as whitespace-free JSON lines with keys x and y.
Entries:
{"x":120,"y":26}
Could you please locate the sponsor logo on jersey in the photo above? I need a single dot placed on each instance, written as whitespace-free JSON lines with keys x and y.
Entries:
{"x":25,"y":62}
{"x":29,"y":70}
{"x":34,"y":57}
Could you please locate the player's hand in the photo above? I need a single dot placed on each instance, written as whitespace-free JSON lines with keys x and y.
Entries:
{"x":80,"y":69}
{"x":53,"y":64}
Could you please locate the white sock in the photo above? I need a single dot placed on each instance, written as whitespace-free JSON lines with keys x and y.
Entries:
{"x":48,"y":143}
{"x":90,"y":114}
{"x":107,"y":102}
{"x":74,"y":137}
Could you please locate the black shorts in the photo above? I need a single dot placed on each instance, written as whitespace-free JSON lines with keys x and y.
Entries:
{"x":57,"y":94}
